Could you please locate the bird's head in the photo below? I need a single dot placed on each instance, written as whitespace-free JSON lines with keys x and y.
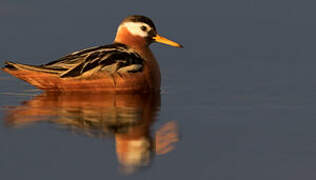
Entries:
{"x":140,"y":31}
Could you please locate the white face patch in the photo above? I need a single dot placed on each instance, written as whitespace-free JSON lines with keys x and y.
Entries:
{"x":135,"y":28}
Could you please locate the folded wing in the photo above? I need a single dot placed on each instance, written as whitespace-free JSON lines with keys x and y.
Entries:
{"x":109,"y":58}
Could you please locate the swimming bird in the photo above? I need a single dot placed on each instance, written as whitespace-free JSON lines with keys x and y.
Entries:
{"x":127,"y":65}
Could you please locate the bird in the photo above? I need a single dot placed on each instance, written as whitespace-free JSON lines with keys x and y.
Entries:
{"x":126,"y":65}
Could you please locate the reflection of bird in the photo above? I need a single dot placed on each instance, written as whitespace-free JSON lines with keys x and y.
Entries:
{"x":126,"y":65}
{"x":96,"y":114}
{"x":127,"y":117}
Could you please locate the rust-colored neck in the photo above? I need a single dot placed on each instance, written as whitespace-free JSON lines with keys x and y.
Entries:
{"x":136,"y":42}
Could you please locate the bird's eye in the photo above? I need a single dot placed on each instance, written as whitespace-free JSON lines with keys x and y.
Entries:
{"x":143,"y":28}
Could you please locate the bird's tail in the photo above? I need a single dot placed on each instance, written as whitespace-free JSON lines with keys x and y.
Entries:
{"x":11,"y":66}
{"x":38,"y":76}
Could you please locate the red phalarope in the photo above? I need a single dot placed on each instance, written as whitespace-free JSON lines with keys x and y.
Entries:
{"x":127,"y":65}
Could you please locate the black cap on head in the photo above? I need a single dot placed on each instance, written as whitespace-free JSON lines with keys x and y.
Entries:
{"x":140,"y":18}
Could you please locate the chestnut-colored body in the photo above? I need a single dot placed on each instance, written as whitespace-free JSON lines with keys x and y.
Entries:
{"x":116,"y":82}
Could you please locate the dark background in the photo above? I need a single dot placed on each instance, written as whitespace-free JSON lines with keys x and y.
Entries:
{"x":242,"y":90}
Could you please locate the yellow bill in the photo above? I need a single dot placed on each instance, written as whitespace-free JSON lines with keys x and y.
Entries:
{"x":163,"y":40}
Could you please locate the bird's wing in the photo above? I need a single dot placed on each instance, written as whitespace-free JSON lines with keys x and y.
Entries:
{"x":111,"y":58}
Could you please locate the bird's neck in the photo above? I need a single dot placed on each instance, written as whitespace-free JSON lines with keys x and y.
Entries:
{"x":137,"y":43}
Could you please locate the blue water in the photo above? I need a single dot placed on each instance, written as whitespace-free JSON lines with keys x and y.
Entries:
{"x":238,"y":102}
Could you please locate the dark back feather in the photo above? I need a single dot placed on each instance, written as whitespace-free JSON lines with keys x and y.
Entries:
{"x":85,"y":60}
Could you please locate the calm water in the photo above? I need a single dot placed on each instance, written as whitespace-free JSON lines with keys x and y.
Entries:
{"x":238,"y":102}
